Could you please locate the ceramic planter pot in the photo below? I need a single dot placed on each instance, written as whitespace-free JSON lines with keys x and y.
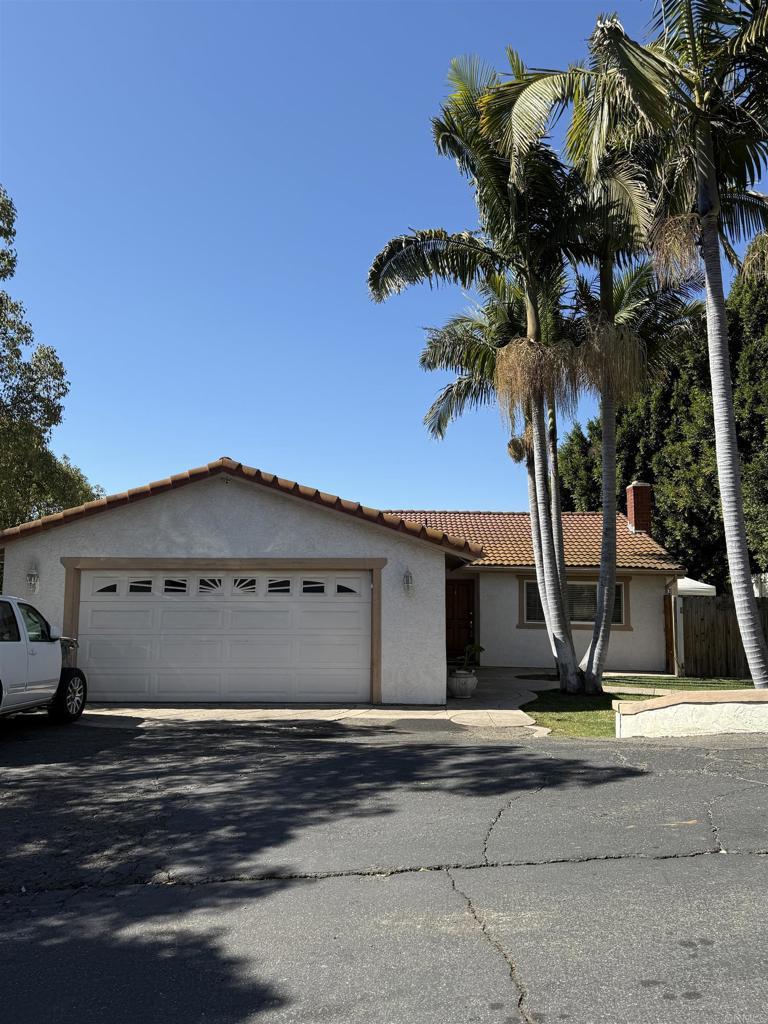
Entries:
{"x":462,"y":683}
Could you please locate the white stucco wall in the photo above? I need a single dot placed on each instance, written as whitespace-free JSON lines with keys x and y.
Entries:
{"x":639,"y":649}
{"x":689,"y":716}
{"x":221,"y":517}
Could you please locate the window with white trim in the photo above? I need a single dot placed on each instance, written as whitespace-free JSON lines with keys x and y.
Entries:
{"x":582,"y":598}
{"x":278,"y":585}
{"x":209,"y":585}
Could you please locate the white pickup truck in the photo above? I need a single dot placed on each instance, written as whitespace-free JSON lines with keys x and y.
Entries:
{"x":32,"y":674}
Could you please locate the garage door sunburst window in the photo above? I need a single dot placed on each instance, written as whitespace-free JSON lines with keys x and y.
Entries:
{"x":209,"y":585}
{"x":244,"y":584}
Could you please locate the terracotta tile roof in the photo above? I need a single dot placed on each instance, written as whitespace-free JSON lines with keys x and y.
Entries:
{"x":506,"y":538}
{"x":391,"y":520}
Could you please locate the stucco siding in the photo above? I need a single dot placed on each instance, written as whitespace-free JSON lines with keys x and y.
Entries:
{"x":225,"y":518}
{"x":639,"y":649}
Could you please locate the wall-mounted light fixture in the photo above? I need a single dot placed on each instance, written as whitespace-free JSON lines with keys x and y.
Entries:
{"x":407,"y":581}
{"x":33,"y":578}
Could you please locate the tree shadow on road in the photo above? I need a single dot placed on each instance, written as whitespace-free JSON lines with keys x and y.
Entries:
{"x":98,"y":821}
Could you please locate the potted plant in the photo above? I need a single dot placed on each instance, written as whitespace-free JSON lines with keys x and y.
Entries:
{"x":462,"y":681}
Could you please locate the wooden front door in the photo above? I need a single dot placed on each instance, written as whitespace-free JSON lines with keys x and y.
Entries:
{"x":669,"y":633}
{"x":460,"y":615}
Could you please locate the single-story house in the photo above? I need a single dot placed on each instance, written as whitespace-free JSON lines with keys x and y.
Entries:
{"x":227,"y":584}
{"x":494,"y":600}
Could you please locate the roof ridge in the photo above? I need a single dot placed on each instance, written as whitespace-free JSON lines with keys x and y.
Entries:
{"x":459,"y":512}
{"x":250,"y":473}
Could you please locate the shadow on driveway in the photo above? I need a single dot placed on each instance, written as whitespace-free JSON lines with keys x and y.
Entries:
{"x":90,"y":814}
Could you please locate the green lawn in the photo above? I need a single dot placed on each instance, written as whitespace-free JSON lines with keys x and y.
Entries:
{"x":585,"y":715}
{"x":576,"y":715}
{"x":678,"y":682}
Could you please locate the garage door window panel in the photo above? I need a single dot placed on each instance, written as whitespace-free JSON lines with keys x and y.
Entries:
{"x":175,"y":585}
{"x":245,"y":585}
{"x":278,"y":585}
{"x":312,"y":586}
{"x":106,"y":585}
{"x":142,"y":586}
{"x":210,"y":585}
{"x":348,"y":585}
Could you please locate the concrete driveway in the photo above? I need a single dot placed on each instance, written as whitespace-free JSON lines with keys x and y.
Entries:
{"x":424,"y":873}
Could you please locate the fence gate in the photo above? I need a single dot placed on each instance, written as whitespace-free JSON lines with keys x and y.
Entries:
{"x":711,"y":637}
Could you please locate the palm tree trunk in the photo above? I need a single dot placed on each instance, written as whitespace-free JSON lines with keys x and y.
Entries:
{"x":561,"y":632}
{"x":594,"y":660}
{"x":554,"y":497}
{"x":533,"y":507}
{"x":726,"y":442}
{"x":728,"y":465}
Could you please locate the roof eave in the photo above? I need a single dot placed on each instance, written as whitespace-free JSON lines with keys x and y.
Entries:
{"x":457,"y":546}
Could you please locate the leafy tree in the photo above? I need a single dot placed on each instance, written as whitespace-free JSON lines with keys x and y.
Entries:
{"x":33,"y":385}
{"x":695,"y":101}
{"x":666,"y":436}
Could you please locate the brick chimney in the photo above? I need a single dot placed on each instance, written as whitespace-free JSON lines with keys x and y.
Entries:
{"x":639,"y":502}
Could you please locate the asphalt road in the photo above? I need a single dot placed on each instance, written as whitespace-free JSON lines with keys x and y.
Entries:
{"x":172,"y":874}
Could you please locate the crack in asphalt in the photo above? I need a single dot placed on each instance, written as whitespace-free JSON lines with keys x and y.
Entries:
{"x":165,"y":878}
{"x":713,"y":824}
{"x":497,"y":817}
{"x":520,"y":989}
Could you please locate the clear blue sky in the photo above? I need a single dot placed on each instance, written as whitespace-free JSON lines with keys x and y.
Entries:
{"x":201,"y":188}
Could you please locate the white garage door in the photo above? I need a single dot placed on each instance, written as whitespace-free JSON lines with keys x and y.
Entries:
{"x":224,"y":636}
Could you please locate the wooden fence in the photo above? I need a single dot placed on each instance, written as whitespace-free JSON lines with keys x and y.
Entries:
{"x":711,"y":637}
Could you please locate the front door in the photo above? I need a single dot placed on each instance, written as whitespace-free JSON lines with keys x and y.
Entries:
{"x":460,"y":616}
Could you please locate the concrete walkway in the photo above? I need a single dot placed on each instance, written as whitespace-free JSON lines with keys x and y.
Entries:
{"x":495,"y":705}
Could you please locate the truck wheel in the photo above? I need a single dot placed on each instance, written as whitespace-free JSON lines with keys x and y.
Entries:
{"x":70,"y":697}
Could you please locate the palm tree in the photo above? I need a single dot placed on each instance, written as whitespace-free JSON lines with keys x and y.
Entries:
{"x":692,"y":104}
{"x":470,"y":345}
{"x":522,"y":217}
{"x":649,"y":318}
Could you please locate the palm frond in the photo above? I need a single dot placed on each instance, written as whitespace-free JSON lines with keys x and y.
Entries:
{"x":434,"y":256}
{"x":466,"y":392}
{"x":640,"y":74}
{"x":743,"y":214}
{"x":517,"y":114}
{"x":461,"y":345}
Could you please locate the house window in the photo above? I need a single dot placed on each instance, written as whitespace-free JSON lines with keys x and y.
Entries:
{"x":312,"y":587}
{"x":140,"y":587}
{"x":244,"y":584}
{"x":582,"y":599}
{"x":175,"y":586}
{"x":278,"y":586}
{"x":209,"y":585}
